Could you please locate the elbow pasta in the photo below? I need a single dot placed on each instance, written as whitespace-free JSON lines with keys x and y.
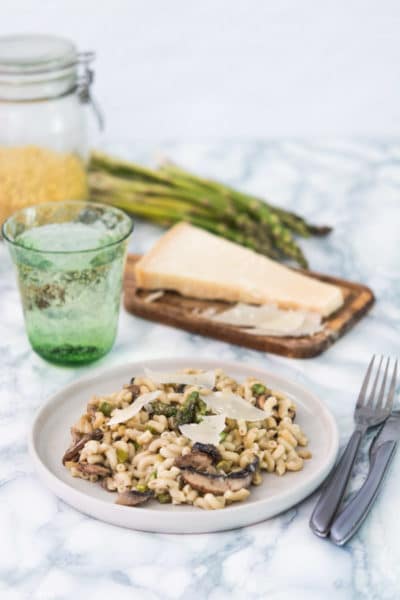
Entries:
{"x":141,"y":454}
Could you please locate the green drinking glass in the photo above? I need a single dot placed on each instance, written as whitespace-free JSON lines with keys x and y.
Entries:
{"x":70,"y":258}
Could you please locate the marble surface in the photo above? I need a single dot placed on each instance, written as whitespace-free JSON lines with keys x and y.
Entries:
{"x":48,"y":551}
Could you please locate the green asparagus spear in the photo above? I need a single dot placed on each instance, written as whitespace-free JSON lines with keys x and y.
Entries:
{"x":170,"y":194}
{"x":160,"y":408}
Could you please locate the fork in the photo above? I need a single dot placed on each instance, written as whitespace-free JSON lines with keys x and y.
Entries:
{"x":369,"y":412}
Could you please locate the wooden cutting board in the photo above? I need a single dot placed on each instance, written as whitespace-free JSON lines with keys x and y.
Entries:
{"x":178,"y":311}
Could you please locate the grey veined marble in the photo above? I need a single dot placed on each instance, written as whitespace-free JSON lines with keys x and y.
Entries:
{"x":49,"y":551}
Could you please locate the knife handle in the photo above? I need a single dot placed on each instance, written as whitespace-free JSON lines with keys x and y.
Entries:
{"x":332,"y":493}
{"x":352,"y":516}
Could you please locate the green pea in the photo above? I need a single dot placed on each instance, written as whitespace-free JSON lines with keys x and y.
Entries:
{"x":164,"y":498}
{"x":258,"y":389}
{"x":151,"y":429}
{"x":106,"y":408}
{"x":122,"y":455}
{"x":224,"y":465}
{"x":141,"y":487}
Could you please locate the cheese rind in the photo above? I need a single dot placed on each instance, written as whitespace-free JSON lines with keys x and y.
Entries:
{"x":198,"y":264}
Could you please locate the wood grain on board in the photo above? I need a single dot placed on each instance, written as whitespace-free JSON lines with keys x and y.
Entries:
{"x":178,"y":311}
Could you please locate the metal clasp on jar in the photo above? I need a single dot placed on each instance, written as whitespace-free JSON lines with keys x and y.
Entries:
{"x":84,"y":82}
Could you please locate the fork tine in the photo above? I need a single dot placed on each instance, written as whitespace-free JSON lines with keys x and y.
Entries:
{"x":361,"y":396}
{"x":372,"y":393}
{"x":392,"y":389}
{"x":379,"y":403}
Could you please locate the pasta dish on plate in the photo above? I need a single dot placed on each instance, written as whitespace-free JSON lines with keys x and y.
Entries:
{"x":194,"y":437}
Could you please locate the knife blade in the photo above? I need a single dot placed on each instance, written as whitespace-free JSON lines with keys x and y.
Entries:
{"x":381,"y":453}
{"x":389,"y":432}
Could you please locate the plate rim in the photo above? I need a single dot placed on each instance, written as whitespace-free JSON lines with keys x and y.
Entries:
{"x":80,"y":500}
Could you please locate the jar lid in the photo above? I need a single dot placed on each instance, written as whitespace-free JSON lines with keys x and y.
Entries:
{"x":34,"y":53}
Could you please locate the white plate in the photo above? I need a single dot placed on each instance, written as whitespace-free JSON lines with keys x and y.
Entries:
{"x":50,"y":436}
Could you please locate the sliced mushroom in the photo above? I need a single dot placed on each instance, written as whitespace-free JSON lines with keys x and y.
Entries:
{"x":104,"y":485}
{"x":202,"y":457}
{"x":209,"y":449}
{"x":134,"y":389}
{"x":133,"y":498}
{"x":76,"y":435}
{"x":218,"y":484}
{"x":78,"y":443}
{"x":197,"y":460}
{"x":93,"y":469}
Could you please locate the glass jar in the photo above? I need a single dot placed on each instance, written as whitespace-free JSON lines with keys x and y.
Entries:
{"x":45,"y":85}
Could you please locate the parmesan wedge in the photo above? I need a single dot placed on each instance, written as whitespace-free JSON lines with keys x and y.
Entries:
{"x":233,"y":406}
{"x":206,"y":432}
{"x":124,"y":414}
{"x":204,"y":379}
{"x":199,"y":264}
{"x":268,"y":319}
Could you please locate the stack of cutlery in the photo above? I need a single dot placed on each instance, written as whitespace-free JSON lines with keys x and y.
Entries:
{"x":373,"y":409}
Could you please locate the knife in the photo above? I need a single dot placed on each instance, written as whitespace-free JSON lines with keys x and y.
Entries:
{"x":381,"y":453}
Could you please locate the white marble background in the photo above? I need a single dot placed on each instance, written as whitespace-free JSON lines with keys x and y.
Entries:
{"x":49,"y":551}
{"x":233,"y":68}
